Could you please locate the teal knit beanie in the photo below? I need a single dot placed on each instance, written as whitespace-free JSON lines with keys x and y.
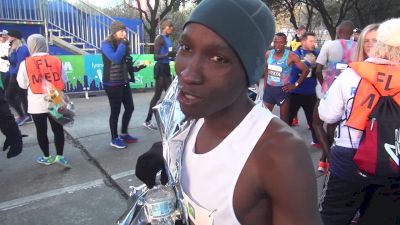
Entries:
{"x":246,"y":25}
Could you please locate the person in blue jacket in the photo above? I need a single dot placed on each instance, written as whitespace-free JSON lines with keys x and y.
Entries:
{"x":117,"y":73}
{"x":14,"y":94}
{"x":304,"y":95}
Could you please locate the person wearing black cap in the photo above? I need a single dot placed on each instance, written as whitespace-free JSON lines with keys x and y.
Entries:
{"x":117,"y":74}
{"x":356,"y":34}
{"x":240,"y":164}
{"x":4,"y":63}
{"x":296,"y":42}
{"x":15,"y":95}
{"x":162,"y":73}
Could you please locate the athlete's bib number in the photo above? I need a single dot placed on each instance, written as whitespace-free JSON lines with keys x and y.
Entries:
{"x":197,"y":214}
{"x":274,"y":73}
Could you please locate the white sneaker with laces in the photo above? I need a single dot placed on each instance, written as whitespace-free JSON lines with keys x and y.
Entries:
{"x":150,"y":126}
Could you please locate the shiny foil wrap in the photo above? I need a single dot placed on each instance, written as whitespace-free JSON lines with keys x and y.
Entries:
{"x":174,"y":129}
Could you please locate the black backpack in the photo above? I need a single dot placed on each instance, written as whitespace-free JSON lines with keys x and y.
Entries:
{"x":379,"y":151}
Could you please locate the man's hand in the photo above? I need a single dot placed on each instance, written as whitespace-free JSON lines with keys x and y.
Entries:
{"x":141,"y":66}
{"x":149,"y":164}
{"x":172,"y":54}
{"x":288,"y":87}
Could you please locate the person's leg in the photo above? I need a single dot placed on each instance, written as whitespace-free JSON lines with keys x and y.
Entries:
{"x":320,"y":134}
{"x":114,"y":95}
{"x":340,"y":200}
{"x":59,"y":138}
{"x":157,"y":95}
{"x":59,"y":141}
{"x":12,"y":96}
{"x":295,"y":103}
{"x":40,"y":121}
{"x":23,"y":93}
{"x":127,"y":101}
{"x":384,"y":205}
{"x":268,"y":98}
{"x":167,"y":82}
{"x":284,"y":109}
{"x":308,"y":103}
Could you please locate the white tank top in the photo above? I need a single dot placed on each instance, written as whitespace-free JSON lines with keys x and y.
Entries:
{"x":209,"y":179}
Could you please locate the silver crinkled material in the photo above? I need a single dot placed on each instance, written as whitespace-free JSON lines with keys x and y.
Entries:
{"x":174,"y":129}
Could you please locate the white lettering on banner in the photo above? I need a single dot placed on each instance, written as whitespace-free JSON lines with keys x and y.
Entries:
{"x":97,"y":65}
{"x":68,"y":67}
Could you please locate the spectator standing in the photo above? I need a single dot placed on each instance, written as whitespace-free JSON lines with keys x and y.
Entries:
{"x":30,"y":76}
{"x":4,"y":48}
{"x":335,"y":55}
{"x":117,"y":61}
{"x":304,"y":95}
{"x":345,"y":188}
{"x":14,"y":94}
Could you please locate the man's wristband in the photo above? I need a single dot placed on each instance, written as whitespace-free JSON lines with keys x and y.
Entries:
{"x":296,"y":83}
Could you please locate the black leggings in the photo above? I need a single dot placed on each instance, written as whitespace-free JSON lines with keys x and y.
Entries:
{"x":15,"y":95}
{"x":117,"y":95}
{"x":307,"y":102}
{"x":162,"y":83}
{"x":41,"y":133}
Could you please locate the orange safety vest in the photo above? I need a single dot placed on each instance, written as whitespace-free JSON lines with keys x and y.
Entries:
{"x":377,"y":80}
{"x":41,"y":68}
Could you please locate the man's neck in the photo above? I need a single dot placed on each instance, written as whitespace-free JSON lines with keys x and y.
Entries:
{"x":308,"y":49}
{"x":279,"y":54}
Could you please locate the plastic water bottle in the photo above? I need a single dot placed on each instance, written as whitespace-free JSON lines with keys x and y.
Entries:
{"x":161,"y":205}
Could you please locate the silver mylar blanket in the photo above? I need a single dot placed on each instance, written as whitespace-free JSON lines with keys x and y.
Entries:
{"x":174,"y":129}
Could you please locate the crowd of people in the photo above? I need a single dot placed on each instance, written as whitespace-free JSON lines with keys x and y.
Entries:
{"x":255,"y":167}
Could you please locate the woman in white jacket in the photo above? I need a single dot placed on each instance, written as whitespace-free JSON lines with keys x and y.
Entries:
{"x":35,"y":70}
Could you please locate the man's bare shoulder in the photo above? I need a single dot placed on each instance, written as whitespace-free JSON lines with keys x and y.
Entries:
{"x":279,"y":139}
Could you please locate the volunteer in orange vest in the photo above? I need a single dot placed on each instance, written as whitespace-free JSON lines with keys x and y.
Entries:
{"x":33,"y":73}
{"x":345,"y":188}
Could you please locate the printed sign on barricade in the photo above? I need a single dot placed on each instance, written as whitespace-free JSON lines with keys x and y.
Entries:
{"x":85,"y":72}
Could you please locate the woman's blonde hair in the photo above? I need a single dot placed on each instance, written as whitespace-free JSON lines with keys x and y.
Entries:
{"x":359,"y":54}
{"x":16,"y":44}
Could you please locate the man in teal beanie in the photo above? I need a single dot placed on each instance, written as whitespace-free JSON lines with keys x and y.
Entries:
{"x":241,"y":164}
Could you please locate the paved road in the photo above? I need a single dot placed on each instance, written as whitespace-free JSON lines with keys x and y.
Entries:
{"x":94,"y":191}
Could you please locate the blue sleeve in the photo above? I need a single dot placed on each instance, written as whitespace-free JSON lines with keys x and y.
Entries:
{"x":114,"y":55}
{"x":17,"y":57}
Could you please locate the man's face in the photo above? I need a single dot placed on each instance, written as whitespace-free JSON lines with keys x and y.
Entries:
{"x":211,"y":77}
{"x":308,"y":43}
{"x":168,"y":30}
{"x":3,"y":38}
{"x":355,"y":36}
{"x":279,"y":43}
{"x":300,"y":32}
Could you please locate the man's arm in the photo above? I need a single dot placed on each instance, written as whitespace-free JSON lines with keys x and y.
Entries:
{"x":288,"y":176}
{"x":322,"y":59}
{"x":266,"y":65}
{"x":294,"y":59}
{"x":318,"y":73}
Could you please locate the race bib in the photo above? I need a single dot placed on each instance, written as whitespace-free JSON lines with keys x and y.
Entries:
{"x":274,"y":73}
{"x":197,"y":214}
{"x":341,"y":66}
